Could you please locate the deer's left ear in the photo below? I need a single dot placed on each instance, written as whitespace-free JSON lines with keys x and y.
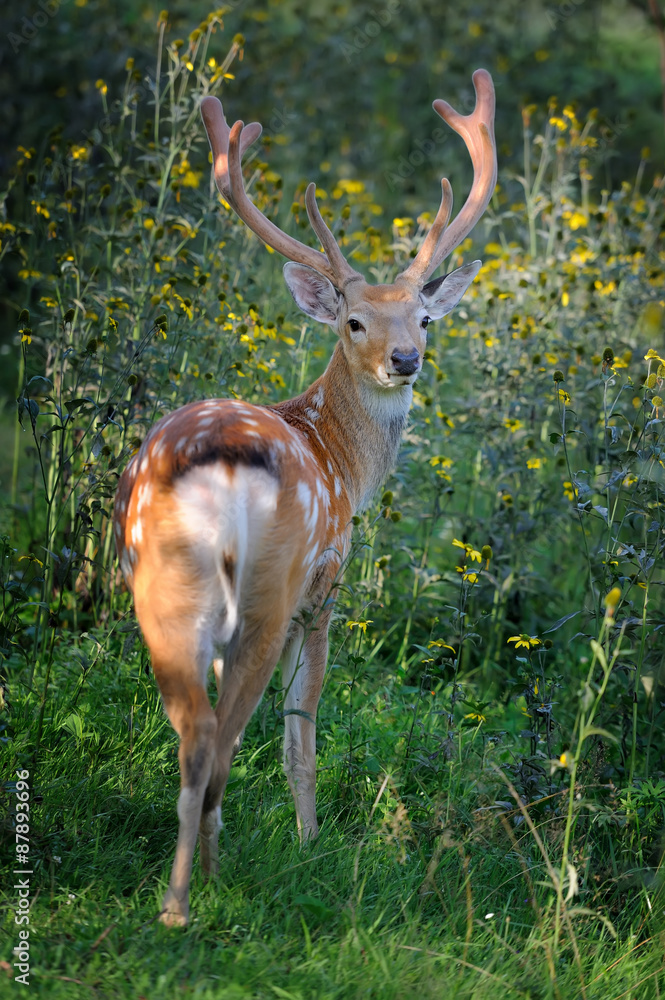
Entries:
{"x":443,"y":294}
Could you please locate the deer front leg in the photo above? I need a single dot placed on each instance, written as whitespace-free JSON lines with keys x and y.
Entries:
{"x":303,"y":670}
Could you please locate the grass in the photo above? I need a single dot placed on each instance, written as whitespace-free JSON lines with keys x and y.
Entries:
{"x":490,"y":742}
{"x":413,"y":887}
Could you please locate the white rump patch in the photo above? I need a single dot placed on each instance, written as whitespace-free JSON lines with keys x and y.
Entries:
{"x":225,"y":514}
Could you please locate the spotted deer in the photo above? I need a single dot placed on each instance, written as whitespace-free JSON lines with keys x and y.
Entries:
{"x":233,"y":520}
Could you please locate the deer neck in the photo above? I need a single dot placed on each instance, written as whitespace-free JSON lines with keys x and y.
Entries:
{"x":355,"y":426}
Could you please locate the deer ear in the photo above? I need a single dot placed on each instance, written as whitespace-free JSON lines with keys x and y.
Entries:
{"x":443,"y":294}
{"x":313,"y":293}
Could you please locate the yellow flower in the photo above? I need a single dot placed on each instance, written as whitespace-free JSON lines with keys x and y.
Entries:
{"x":612,"y":599}
{"x":360,"y":624}
{"x":524,"y":640}
{"x":440,"y":644}
{"x":534,"y":463}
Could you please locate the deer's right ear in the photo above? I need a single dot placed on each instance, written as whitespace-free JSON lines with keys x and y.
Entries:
{"x":314,"y":294}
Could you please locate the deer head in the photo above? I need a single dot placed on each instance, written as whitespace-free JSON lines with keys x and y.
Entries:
{"x":382,"y":328}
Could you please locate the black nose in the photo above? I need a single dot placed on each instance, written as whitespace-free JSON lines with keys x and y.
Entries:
{"x":405,"y":364}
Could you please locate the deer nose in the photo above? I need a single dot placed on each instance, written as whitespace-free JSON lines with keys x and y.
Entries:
{"x":405,"y":364}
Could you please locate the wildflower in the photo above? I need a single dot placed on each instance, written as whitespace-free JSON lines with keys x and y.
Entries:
{"x":524,"y":640}
{"x":469,"y":552}
{"x":440,"y":644}
{"x":476,"y":716}
{"x":611,"y":601}
{"x":362,"y":625}
{"x":534,"y":463}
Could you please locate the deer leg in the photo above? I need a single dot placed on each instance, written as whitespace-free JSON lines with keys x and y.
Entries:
{"x":250,"y":660}
{"x":211,"y":816}
{"x":189,"y":711}
{"x":303,"y":670}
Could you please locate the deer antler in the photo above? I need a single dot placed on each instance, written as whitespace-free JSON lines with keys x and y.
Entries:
{"x":477,"y":130}
{"x":228,"y":146}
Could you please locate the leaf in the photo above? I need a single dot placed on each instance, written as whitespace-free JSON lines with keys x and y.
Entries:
{"x":561,"y":621}
{"x":31,"y":406}
{"x":599,"y":652}
{"x":74,"y":725}
{"x":597,"y":731}
{"x":75,"y":404}
{"x":573,"y":882}
{"x":38,"y":386}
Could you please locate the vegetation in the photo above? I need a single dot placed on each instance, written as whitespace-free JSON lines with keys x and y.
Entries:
{"x":491,"y":781}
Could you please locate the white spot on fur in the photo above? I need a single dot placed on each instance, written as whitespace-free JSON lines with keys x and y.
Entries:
{"x":181,"y":442}
{"x":317,"y":398}
{"x":144,"y":465}
{"x":137,"y":531}
{"x":143,"y":497}
{"x":305,"y":497}
{"x":338,"y":486}
{"x":313,"y":415}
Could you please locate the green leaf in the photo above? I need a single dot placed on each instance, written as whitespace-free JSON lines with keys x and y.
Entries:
{"x":75,"y":404}
{"x":599,"y":653}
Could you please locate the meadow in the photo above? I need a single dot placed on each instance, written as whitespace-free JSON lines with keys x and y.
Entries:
{"x":491,"y":777}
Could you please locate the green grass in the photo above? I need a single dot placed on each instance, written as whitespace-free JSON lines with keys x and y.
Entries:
{"x":392,"y":900}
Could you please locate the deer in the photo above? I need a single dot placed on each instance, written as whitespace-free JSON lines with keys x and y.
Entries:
{"x":233,"y":520}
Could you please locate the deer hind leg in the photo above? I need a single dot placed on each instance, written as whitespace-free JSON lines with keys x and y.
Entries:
{"x":249,"y":662}
{"x":187,"y":706}
{"x":303,"y":670}
{"x":211,"y":816}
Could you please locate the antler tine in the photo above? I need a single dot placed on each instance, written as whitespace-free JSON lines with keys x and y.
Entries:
{"x":420,"y":266}
{"x":218,"y":132}
{"x":337,"y":259}
{"x":227,"y":147}
{"x":477,"y":130}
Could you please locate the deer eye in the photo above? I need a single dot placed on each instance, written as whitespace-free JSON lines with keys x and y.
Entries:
{"x":355,"y":326}
{"x":425,"y":321}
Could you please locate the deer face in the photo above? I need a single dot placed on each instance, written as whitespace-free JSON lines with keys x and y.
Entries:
{"x":383,"y":328}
